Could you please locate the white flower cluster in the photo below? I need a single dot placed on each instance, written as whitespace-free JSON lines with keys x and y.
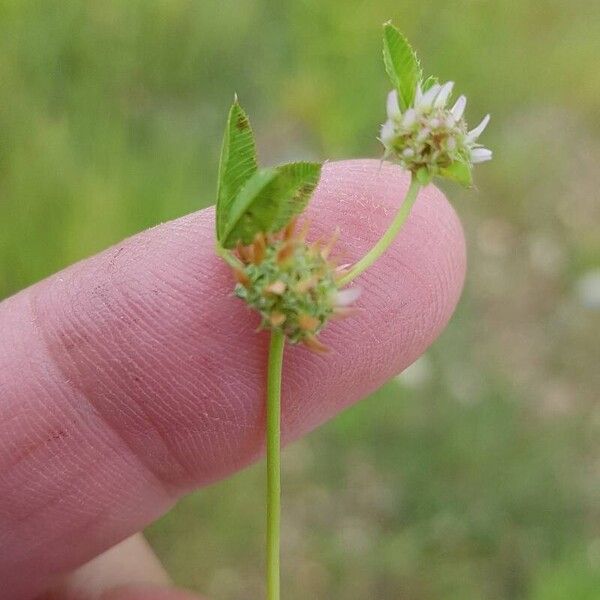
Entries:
{"x":428,"y":137}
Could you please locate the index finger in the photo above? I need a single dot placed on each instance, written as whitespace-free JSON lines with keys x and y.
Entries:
{"x":135,"y":376}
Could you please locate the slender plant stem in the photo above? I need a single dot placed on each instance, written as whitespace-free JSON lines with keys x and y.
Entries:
{"x":274,"y":461}
{"x":275,"y":364}
{"x":388,"y":237}
{"x":228,"y":257}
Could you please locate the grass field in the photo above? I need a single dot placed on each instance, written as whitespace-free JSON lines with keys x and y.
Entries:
{"x":476,"y":474}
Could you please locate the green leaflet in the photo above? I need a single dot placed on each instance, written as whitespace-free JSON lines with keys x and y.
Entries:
{"x":252,"y":209}
{"x":295,"y":185}
{"x":401,"y":64}
{"x":269,"y":200}
{"x":237,"y":164}
{"x":429,"y":82}
{"x":459,"y":171}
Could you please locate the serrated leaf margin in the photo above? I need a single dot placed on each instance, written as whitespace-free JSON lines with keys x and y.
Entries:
{"x":269,"y":200}
{"x":401,"y":64}
{"x":238,"y":163}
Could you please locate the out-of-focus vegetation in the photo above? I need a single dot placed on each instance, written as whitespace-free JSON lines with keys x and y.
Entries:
{"x":475,"y":475}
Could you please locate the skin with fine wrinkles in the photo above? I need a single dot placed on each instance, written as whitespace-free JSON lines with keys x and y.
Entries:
{"x":135,"y":376}
{"x":147,"y":593}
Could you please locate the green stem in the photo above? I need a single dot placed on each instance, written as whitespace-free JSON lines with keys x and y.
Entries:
{"x":228,"y":257}
{"x":275,"y":363}
{"x":388,"y":237}
{"x":274,"y":461}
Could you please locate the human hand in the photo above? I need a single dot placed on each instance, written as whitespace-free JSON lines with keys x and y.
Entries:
{"x":122,"y":384}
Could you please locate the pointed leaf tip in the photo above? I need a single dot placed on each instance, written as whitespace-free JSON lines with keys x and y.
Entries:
{"x":401,"y":64}
{"x":237,"y":165}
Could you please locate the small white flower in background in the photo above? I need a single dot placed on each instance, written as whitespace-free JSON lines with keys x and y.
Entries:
{"x":429,"y":138}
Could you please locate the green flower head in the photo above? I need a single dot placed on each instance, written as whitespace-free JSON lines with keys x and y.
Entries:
{"x":293,"y":285}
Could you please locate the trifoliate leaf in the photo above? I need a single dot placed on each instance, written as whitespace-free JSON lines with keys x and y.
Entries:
{"x":459,"y":171}
{"x":401,"y":64}
{"x":237,"y":165}
{"x":269,"y":200}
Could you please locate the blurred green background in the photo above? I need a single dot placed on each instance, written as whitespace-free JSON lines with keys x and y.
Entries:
{"x":474,"y":475}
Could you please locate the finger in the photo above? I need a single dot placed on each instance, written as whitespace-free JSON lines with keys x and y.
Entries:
{"x":128,"y":565}
{"x":134,"y":376}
